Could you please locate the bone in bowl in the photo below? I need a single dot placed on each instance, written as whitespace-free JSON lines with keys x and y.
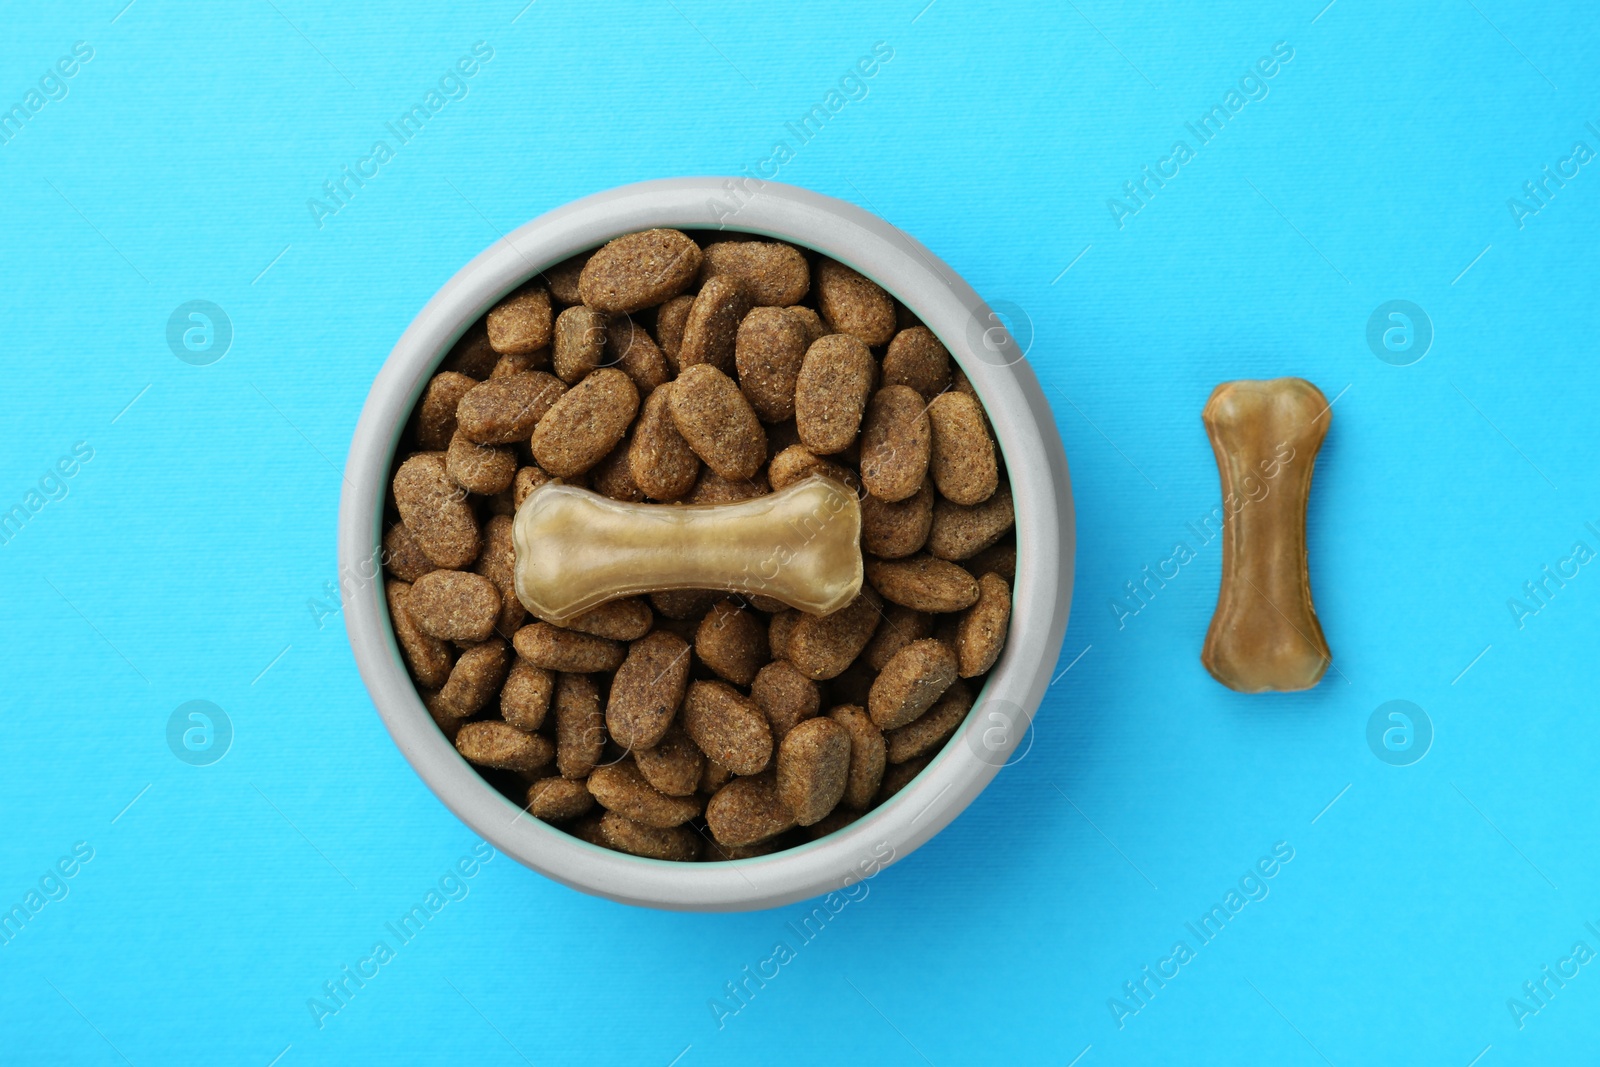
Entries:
{"x":1022,"y":428}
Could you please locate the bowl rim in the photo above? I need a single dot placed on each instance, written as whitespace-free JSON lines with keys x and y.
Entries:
{"x":1035,"y":461}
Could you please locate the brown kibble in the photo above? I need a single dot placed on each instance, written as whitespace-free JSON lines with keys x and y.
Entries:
{"x":558,"y":799}
{"x":893,"y":531}
{"x":520,"y":323}
{"x":454,"y":605}
{"x":770,"y":347}
{"x":853,"y":304}
{"x":503,"y":410}
{"x":674,"y":766}
{"x":580,"y":726}
{"x":797,"y":462}
{"x":1000,"y":559}
{"x":500,"y":745}
{"x":586,"y":423}
{"x":685,"y":604}
{"x":895,"y":443}
{"x":670,"y":319}
{"x":810,"y":322}
{"x":562,"y":279}
{"x":923,"y":583}
{"x":485,"y":469}
{"x":663,"y":464}
{"x":525,"y":697}
{"x":556,"y":649}
{"x":714,"y":777}
{"x":630,"y":348}
{"x":471,"y":356}
{"x":732,"y":642}
{"x":580,"y":343}
{"x":435,"y":511}
{"x":910,"y":683}
{"x":963,"y":462}
{"x":960,"y":532}
{"x":900,"y":627}
{"x":831,"y":393}
{"x":868,"y":754}
{"x":786,"y":696}
{"x":639,"y":270}
{"x":772,"y":273}
{"x":436,"y":412}
{"x":647,"y":690}
{"x":671,"y":843}
{"x":899,"y":775}
{"x":924,"y":734}
{"x":475,"y":679}
{"x":621,"y":788}
{"x":778,"y":631}
{"x":402,"y":556}
{"x":917,"y":359}
{"x":616,"y":620}
{"x":747,"y":811}
{"x":713,"y":488}
{"x":717,"y":421}
{"x":728,"y":726}
{"x":981,"y":634}
{"x":448,"y":724}
{"x":527,"y":480}
{"x":428,"y":658}
{"x":710,"y":331}
{"x":613,"y":476}
{"x":822,"y":646}
{"x":520,"y":363}
{"x":813,"y":767}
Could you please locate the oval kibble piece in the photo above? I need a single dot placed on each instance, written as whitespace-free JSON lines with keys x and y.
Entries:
{"x":963,"y":462}
{"x":710,"y":331}
{"x":525,"y":697}
{"x":895,"y":443}
{"x":831,"y":393}
{"x":621,"y":788}
{"x":586,"y":423}
{"x":520,"y":323}
{"x":647,"y":690}
{"x":557,"y":649}
{"x":475,"y":678}
{"x":797,"y":463}
{"x":868,"y":755}
{"x":562,"y":279}
{"x":770,"y":346}
{"x":428,"y":658}
{"x":502,"y":410}
{"x":786,"y":696}
{"x":616,"y":620}
{"x":631,"y":350}
{"x":677,"y":843}
{"x":670,"y":318}
{"x":747,"y":811}
{"x":673,"y":766}
{"x":727,"y":726}
{"x":924,"y":734}
{"x":981,"y":633}
{"x":900,"y":626}
{"x":961,"y":532}
{"x":471,"y":355}
{"x":663,"y":464}
{"x":713,"y":488}
{"x":732,"y":642}
{"x":436,"y":412}
{"x":917,"y":359}
{"x":436,"y":511}
{"x":508,"y":365}
{"x":527,"y":480}
{"x":613,"y":477}
{"x":639,"y":270}
{"x":580,"y":726}
{"x":504,"y":747}
{"x":998,"y":559}
{"x":809,"y":321}
{"x":923,"y":583}
{"x":558,"y":799}
{"x":717,"y":421}
{"x":910,"y":682}
{"x":779,"y":630}
{"x":774,"y":274}
{"x":483,"y":469}
{"x":580,"y":343}
{"x":813,"y":767}
{"x":455,"y":605}
{"x":402,"y":556}
{"x":497,"y":562}
{"x":822,"y":646}
{"x":853,"y":304}
{"x":893,"y":531}
{"x":684,"y":604}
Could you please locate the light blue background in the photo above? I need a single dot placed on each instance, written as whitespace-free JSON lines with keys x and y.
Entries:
{"x":188,"y":556}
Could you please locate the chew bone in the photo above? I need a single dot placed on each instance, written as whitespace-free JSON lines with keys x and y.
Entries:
{"x":576,"y":549}
{"x":1264,"y":634}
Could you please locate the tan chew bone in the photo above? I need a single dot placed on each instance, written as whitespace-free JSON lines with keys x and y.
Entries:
{"x":1264,"y":634}
{"x":576,"y":550}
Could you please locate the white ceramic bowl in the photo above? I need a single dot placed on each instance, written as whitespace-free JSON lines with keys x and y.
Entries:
{"x":1035,"y":463}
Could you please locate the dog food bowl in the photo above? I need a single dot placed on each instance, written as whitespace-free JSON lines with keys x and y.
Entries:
{"x":1023,"y":427}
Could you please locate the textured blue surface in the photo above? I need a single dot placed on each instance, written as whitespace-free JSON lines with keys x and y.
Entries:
{"x":192,"y":557}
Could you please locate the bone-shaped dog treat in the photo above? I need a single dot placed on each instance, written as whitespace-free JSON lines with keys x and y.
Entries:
{"x":1264,"y":634}
{"x":576,"y":550}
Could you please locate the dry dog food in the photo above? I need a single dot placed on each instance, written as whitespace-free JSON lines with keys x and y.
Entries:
{"x":663,"y":718}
